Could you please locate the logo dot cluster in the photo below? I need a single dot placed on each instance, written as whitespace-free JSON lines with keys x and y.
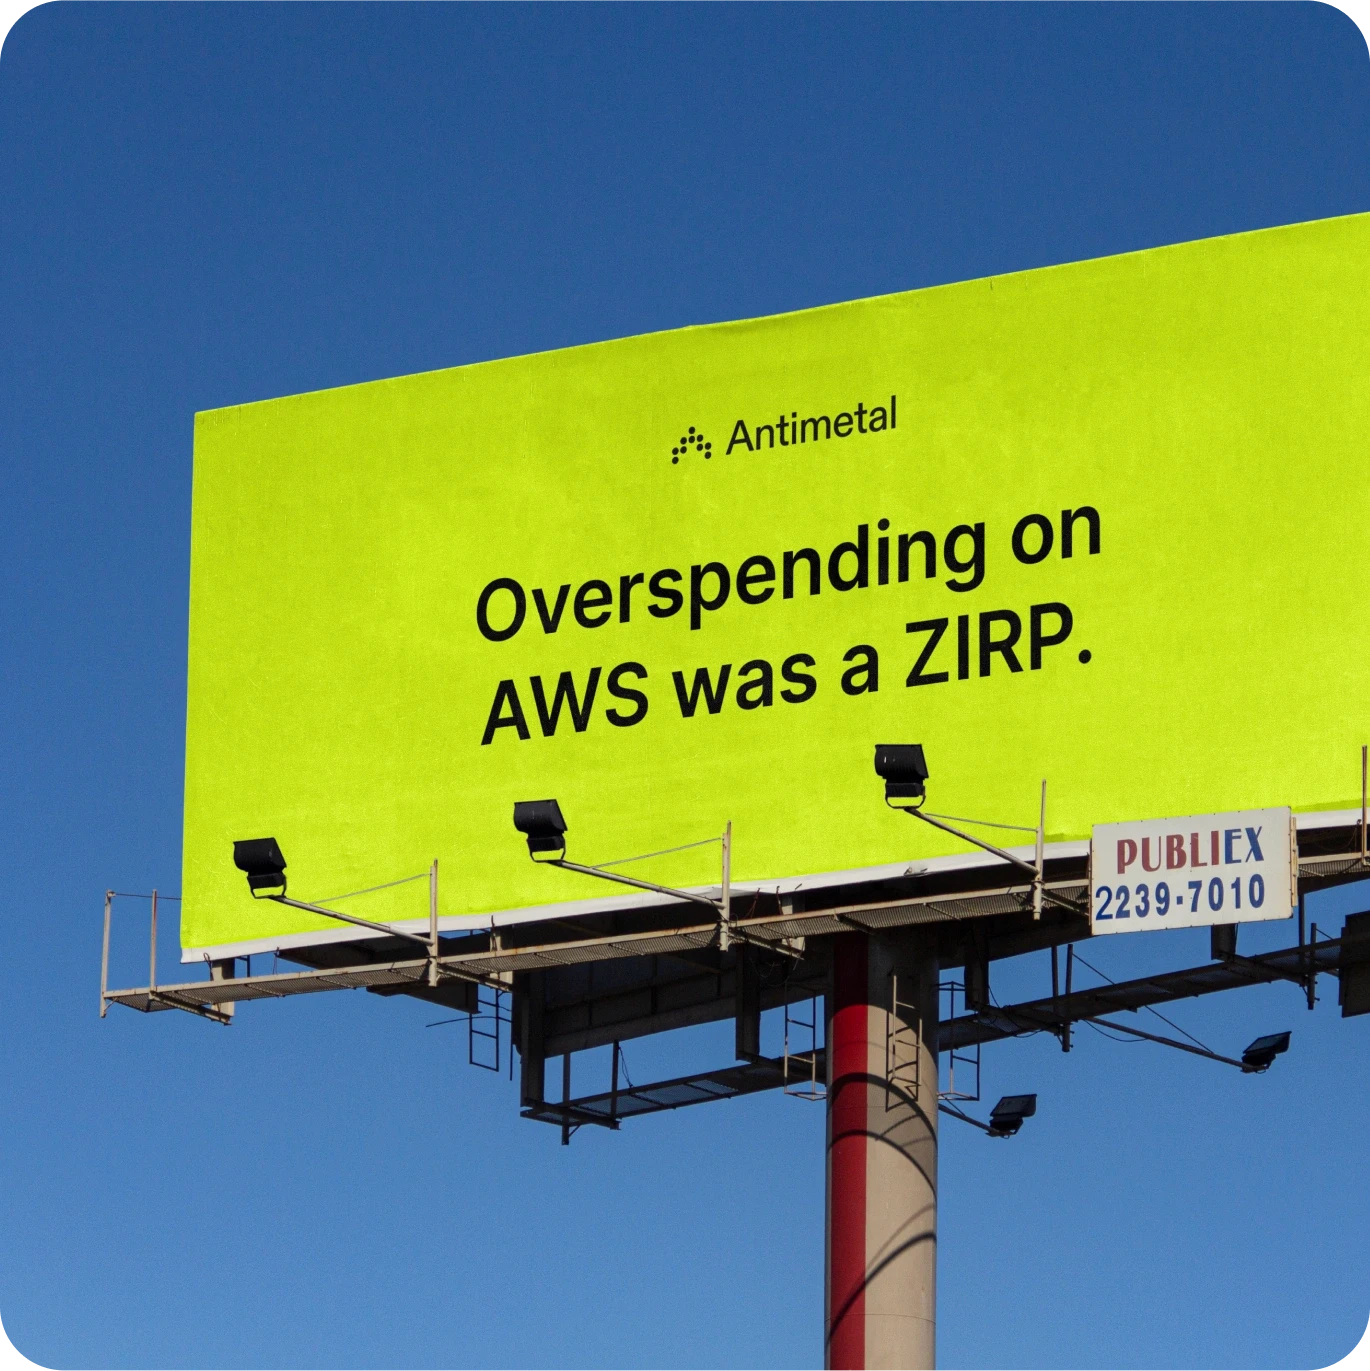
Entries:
{"x":693,"y":439}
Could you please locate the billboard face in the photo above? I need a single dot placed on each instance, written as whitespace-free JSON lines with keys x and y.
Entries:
{"x":1101,"y":523}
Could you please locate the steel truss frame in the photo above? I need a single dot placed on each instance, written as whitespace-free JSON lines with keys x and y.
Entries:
{"x":980,"y":917}
{"x":487,"y":959}
{"x":957,"y":1033}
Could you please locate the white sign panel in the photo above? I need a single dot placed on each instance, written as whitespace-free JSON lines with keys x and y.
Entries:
{"x":1187,"y":872}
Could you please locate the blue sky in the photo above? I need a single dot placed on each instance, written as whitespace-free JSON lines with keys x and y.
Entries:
{"x":202,"y":205}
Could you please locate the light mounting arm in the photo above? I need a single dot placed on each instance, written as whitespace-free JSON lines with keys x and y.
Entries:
{"x":904,"y":769}
{"x":425,"y":943}
{"x":544,"y":826}
{"x":262,"y":861}
{"x":967,"y":837}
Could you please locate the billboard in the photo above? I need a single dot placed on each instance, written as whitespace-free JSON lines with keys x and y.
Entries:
{"x":1102,"y":523}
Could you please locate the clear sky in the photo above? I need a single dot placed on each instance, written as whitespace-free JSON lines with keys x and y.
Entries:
{"x":202,"y":205}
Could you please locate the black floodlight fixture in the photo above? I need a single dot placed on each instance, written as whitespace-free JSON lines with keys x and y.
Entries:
{"x":1261,"y":1053}
{"x":1006,"y":1118}
{"x":903,"y":770}
{"x":541,"y":821}
{"x":262,"y":860}
{"x":265,"y":866}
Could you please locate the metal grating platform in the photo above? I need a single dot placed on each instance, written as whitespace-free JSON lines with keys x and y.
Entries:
{"x":491,"y":963}
{"x":971,"y":904}
{"x":631,"y":1101}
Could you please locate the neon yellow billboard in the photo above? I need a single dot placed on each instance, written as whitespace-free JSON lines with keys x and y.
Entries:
{"x":1102,"y":523}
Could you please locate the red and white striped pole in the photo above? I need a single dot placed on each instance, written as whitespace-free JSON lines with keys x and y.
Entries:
{"x":882,"y":1154}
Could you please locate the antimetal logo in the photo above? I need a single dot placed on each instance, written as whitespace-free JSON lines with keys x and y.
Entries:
{"x":792,"y":430}
{"x":693,"y":439}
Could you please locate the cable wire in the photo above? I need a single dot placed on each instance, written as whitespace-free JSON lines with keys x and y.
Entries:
{"x":665,"y":851}
{"x":983,"y":823}
{"x":1113,"y":1037}
{"x":1198,"y":1042}
{"x":371,"y":889}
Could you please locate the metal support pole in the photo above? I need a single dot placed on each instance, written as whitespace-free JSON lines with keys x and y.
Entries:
{"x":531,"y":1007}
{"x":225,"y":970}
{"x":613,"y":1087}
{"x":882,"y":1154}
{"x":1056,"y":995}
{"x":1306,"y":956}
{"x":565,"y":1099}
{"x":152,"y":967}
{"x":746,"y":1004}
{"x":104,"y":955}
{"x":725,"y":928}
{"x":1070,"y":966}
{"x":1312,"y":966}
{"x":434,"y":946}
{"x":1364,"y":785}
{"x":977,"y":974}
{"x":1222,"y":941}
{"x":1041,"y":859}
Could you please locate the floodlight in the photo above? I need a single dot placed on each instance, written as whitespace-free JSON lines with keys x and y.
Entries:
{"x":1006,"y":1118}
{"x":903,"y":769}
{"x":262,"y":860}
{"x":542,"y":822}
{"x":1263,"y":1051}
{"x":265,"y":866}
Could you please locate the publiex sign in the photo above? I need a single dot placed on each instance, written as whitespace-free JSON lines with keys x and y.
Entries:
{"x":1183,"y":873}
